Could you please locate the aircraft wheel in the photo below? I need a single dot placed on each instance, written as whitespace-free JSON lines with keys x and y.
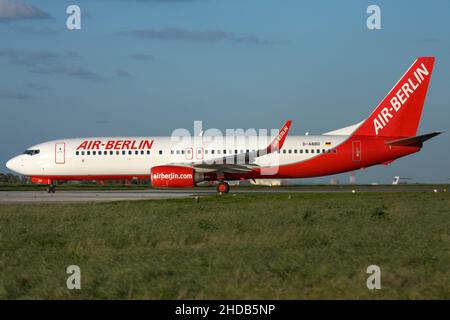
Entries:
{"x":51,"y":188}
{"x":223,"y":187}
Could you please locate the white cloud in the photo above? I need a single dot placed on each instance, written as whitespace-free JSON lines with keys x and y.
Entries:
{"x":191,"y":35}
{"x":17,"y":10}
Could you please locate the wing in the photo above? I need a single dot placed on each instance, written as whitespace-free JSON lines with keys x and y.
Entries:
{"x":240,"y":162}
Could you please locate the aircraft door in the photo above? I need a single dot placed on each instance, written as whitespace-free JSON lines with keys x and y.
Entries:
{"x":189,"y":153}
{"x":356,"y":150}
{"x":199,"y":153}
{"x":60,"y":153}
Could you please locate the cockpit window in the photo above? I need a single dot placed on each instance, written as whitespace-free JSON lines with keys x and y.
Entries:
{"x":32,"y":152}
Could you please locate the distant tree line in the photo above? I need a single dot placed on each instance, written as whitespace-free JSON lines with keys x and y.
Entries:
{"x":9,"y":178}
{"x":13,"y":179}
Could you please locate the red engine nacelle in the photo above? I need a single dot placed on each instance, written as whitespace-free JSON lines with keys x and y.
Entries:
{"x":173,"y":177}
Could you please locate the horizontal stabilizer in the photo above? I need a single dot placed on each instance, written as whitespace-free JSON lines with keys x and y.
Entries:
{"x":413,"y":141}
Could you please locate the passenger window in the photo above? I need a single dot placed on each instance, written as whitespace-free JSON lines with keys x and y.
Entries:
{"x":284,"y":151}
{"x":306,"y":150}
{"x":77,"y":153}
{"x":212,"y":151}
{"x":93,"y":153}
{"x":117,"y":152}
{"x":99,"y":153}
{"x":206,"y":151}
{"x":88,"y":153}
{"x":171,"y":151}
{"x":148,"y":151}
{"x":160,"y":151}
{"x":136,"y":152}
{"x":290,"y":150}
{"x":335,"y":151}
{"x":82,"y":153}
{"x":111,"y":153}
{"x":301,"y":150}
{"x":178,"y":151}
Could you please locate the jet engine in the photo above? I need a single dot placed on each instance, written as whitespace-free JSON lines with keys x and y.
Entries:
{"x":174,"y":177}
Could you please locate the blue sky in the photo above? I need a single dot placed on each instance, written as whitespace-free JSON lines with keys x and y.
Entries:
{"x":143,"y":67}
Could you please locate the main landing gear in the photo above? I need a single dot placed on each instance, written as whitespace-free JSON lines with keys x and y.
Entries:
{"x":223,"y":187}
{"x":51,"y":188}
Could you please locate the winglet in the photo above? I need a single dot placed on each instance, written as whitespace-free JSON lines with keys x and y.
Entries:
{"x":277,"y":143}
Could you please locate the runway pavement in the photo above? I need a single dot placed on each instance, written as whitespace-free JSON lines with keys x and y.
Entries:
{"x":67,"y":196}
{"x":23,"y":197}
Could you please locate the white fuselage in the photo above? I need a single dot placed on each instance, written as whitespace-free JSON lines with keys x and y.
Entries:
{"x":135,"y":156}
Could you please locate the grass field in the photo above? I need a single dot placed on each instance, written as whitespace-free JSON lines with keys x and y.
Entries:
{"x":262,"y":246}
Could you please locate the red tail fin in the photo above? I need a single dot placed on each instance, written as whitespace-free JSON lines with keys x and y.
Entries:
{"x":398,"y":115}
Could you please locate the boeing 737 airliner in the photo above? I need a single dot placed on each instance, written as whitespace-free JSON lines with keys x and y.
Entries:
{"x":390,"y":132}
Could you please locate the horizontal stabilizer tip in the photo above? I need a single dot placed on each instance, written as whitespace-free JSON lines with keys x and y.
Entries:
{"x":413,"y":141}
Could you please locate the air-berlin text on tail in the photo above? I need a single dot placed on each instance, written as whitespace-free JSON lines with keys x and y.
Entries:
{"x":401,"y":96}
{"x":115,"y":144}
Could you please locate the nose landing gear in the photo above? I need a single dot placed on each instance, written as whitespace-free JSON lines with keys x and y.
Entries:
{"x":51,"y":188}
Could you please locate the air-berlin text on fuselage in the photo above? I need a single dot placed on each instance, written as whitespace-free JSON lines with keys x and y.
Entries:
{"x":115,"y":144}
{"x":402,"y":95}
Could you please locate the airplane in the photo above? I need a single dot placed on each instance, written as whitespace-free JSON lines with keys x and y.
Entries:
{"x":389,"y":133}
